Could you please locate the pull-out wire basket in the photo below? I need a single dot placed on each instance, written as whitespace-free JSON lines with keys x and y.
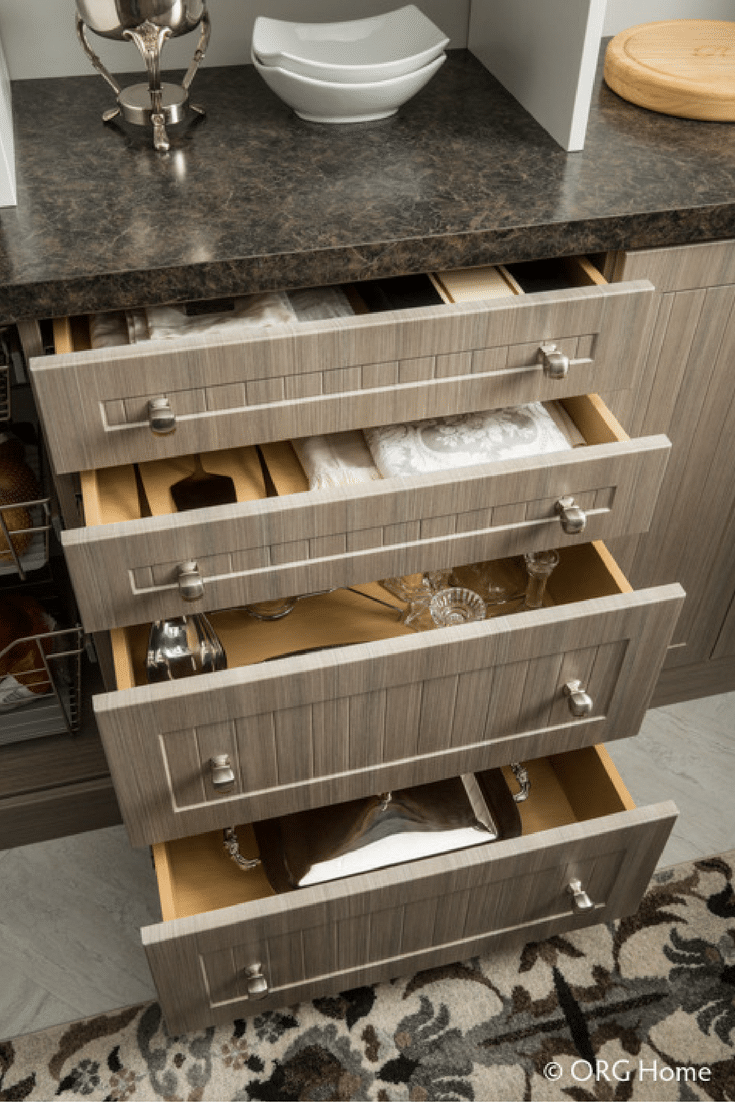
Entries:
{"x":5,"y":408}
{"x":26,"y":549}
{"x":52,"y":705}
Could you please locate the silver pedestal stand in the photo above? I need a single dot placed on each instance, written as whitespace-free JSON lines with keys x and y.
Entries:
{"x":157,"y":104}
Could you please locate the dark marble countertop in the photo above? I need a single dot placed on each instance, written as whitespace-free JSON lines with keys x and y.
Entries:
{"x":253,"y":198}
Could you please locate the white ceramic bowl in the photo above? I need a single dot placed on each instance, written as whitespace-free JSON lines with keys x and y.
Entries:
{"x":327,"y":101}
{"x":356,"y":52}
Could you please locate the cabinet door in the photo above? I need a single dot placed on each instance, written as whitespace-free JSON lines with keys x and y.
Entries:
{"x":687,"y":393}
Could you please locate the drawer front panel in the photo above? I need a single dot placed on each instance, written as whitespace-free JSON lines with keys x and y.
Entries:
{"x":325,"y":728}
{"x":323,"y":377}
{"x":128,"y":573}
{"x":371,"y":928}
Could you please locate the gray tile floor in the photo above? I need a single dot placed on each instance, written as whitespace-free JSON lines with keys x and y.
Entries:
{"x":71,"y":909}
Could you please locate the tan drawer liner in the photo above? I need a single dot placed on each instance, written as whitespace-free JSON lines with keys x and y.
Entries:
{"x":321,"y":377}
{"x":195,"y":874}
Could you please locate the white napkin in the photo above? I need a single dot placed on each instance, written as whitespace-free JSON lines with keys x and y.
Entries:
{"x":445,"y":443}
{"x":340,"y":459}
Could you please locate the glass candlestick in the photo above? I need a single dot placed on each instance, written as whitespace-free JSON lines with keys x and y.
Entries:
{"x":539,"y":566}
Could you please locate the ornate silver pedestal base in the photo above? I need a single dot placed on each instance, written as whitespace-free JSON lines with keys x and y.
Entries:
{"x":154,"y":104}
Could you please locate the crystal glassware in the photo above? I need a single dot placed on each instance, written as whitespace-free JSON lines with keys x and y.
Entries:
{"x":539,"y":567}
{"x":498,"y":582}
{"x":456,"y":605}
{"x":417,"y":591}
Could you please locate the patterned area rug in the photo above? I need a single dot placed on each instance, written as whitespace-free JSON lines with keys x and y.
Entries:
{"x":641,"y":1009}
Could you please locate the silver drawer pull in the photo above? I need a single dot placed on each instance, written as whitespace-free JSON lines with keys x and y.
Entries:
{"x":231,"y":846}
{"x":191,"y":584}
{"x":222,"y":776}
{"x":580,"y":900}
{"x":524,"y":782}
{"x":257,"y":983}
{"x":555,"y":363}
{"x":573,"y":519}
{"x":161,"y":417}
{"x":580,"y":703}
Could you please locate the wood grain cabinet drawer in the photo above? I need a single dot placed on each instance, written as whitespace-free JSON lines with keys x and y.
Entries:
{"x":400,"y":708}
{"x":221,"y":924}
{"x":325,"y":376}
{"x":126,"y":571}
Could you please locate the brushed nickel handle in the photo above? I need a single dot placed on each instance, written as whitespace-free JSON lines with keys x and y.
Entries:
{"x":161,"y":417}
{"x":573,"y":519}
{"x":554,"y":362}
{"x":223,"y":777}
{"x":257,"y":983}
{"x":191,"y":583}
{"x":580,"y":703}
{"x":580,"y":900}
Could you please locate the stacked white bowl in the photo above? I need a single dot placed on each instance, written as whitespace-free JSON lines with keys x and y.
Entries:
{"x":356,"y":71}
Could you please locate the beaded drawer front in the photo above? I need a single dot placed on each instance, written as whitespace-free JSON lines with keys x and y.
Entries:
{"x":128,"y":572}
{"x":230,"y":947}
{"x":320,"y":728}
{"x":319,"y":377}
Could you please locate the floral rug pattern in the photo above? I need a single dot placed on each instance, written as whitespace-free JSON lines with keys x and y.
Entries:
{"x":641,"y":1009}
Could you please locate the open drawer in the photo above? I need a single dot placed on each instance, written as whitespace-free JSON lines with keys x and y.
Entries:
{"x":229,"y":947}
{"x":298,"y":379}
{"x":397,"y":709}
{"x":129,"y":571}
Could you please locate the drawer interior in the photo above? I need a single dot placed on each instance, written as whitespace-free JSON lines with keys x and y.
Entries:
{"x":195,"y":875}
{"x":479,"y":283}
{"x":133,"y":491}
{"x":362,"y":614}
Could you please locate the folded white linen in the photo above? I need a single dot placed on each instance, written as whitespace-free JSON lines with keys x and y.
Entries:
{"x":250,"y":311}
{"x":464,"y":440}
{"x":318,"y":303}
{"x":259,"y":311}
{"x":340,"y":459}
{"x":108,"y":330}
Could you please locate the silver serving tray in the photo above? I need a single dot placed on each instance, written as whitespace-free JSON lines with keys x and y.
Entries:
{"x":323,"y":844}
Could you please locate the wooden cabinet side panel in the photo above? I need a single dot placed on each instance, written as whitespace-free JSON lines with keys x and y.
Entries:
{"x":690,"y":397}
{"x":687,"y":267}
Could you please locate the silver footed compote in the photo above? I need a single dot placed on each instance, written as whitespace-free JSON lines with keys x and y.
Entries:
{"x":183,"y":647}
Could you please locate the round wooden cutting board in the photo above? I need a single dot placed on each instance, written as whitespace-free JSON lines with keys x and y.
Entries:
{"x":683,"y":67}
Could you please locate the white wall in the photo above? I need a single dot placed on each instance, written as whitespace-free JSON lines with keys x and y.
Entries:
{"x":626,"y":13}
{"x":39,"y":38}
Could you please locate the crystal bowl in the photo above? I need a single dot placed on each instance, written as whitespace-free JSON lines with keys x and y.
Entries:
{"x":456,"y":606}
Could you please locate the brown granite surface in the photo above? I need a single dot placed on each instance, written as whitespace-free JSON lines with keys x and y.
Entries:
{"x":252,"y":197}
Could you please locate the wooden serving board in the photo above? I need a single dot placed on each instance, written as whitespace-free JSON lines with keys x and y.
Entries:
{"x":683,"y":67}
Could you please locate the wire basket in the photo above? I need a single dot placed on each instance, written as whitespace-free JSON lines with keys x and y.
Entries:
{"x":5,"y":409}
{"x":24,"y":550}
{"x":52,"y":705}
